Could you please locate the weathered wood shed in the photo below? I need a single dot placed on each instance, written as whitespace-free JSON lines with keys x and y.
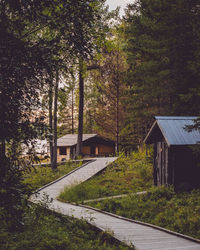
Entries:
{"x":174,"y":160}
{"x":93,"y":146}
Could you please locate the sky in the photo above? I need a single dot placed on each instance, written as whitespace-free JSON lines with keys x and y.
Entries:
{"x":113,"y":4}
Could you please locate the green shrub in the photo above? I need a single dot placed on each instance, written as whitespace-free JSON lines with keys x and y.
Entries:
{"x":13,"y":196}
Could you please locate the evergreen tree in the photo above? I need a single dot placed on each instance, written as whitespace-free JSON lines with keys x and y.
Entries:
{"x":163,"y":44}
{"x":106,"y":90}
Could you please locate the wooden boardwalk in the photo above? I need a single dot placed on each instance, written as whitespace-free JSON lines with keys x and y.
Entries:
{"x":142,"y":236}
{"x":114,"y":197}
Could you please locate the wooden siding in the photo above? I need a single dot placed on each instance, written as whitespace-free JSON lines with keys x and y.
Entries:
{"x":104,"y":149}
{"x":86,"y":150}
{"x":95,"y":146}
{"x":176,"y":166}
{"x":174,"y":160}
{"x":161,"y":159}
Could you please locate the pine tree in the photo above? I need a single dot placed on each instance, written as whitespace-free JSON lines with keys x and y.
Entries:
{"x":163,"y":45}
{"x":106,"y":89}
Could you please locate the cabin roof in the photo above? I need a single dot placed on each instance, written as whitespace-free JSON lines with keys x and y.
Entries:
{"x":71,"y":139}
{"x":173,"y":130}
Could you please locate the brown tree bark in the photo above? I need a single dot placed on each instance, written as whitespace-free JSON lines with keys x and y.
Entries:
{"x":81,"y":107}
{"x":3,"y":159}
{"x":54,"y":163}
{"x":72,"y":111}
{"x":51,"y":118}
{"x":117,"y":106}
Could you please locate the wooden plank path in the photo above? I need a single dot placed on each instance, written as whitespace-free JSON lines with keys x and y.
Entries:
{"x":77,"y":176}
{"x":142,"y":236}
{"x":114,"y":197}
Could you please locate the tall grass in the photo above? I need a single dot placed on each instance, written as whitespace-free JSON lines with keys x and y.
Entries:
{"x":126,"y":175}
{"x":39,"y":176}
{"x":42,"y":229}
{"x":45,"y":230}
{"x":160,"y":206}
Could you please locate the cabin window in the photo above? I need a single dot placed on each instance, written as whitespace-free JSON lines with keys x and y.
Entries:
{"x":63,"y":151}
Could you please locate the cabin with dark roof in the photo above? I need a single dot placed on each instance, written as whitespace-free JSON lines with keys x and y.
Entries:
{"x":174,"y":159}
{"x":93,"y":146}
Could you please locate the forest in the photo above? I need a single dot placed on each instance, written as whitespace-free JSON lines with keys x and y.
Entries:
{"x":71,"y":66}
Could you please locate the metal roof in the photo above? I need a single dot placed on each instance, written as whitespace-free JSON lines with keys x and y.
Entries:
{"x":71,"y":139}
{"x":173,"y":130}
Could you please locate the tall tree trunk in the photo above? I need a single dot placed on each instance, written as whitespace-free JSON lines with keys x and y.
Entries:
{"x":72,"y":111}
{"x":81,"y":107}
{"x":4,"y":160}
{"x":117,"y":106}
{"x":54,"y":163}
{"x":51,"y":118}
{"x":117,"y":121}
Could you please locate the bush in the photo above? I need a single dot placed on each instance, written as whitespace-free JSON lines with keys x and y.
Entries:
{"x":13,"y":196}
{"x":17,"y":183}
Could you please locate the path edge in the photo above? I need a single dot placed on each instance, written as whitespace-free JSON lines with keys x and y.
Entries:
{"x":136,"y":221}
{"x":62,"y":177}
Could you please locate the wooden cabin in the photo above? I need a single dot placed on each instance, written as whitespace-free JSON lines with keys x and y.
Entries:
{"x":93,"y":146}
{"x":174,"y":160}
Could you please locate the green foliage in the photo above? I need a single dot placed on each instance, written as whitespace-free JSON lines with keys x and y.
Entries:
{"x":126,"y":175}
{"x":39,"y":176}
{"x":13,"y":197}
{"x":46,"y":230}
{"x":162,"y":207}
{"x":39,"y":227}
{"x":162,"y":47}
{"x":16,"y":185}
{"x":108,"y":88}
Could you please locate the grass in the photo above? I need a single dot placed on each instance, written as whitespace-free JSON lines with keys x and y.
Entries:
{"x":161,"y":206}
{"x":39,"y":176}
{"x":124,"y":176}
{"x":43,"y":229}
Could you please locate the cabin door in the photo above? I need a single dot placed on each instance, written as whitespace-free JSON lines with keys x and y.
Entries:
{"x":161,"y":162}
